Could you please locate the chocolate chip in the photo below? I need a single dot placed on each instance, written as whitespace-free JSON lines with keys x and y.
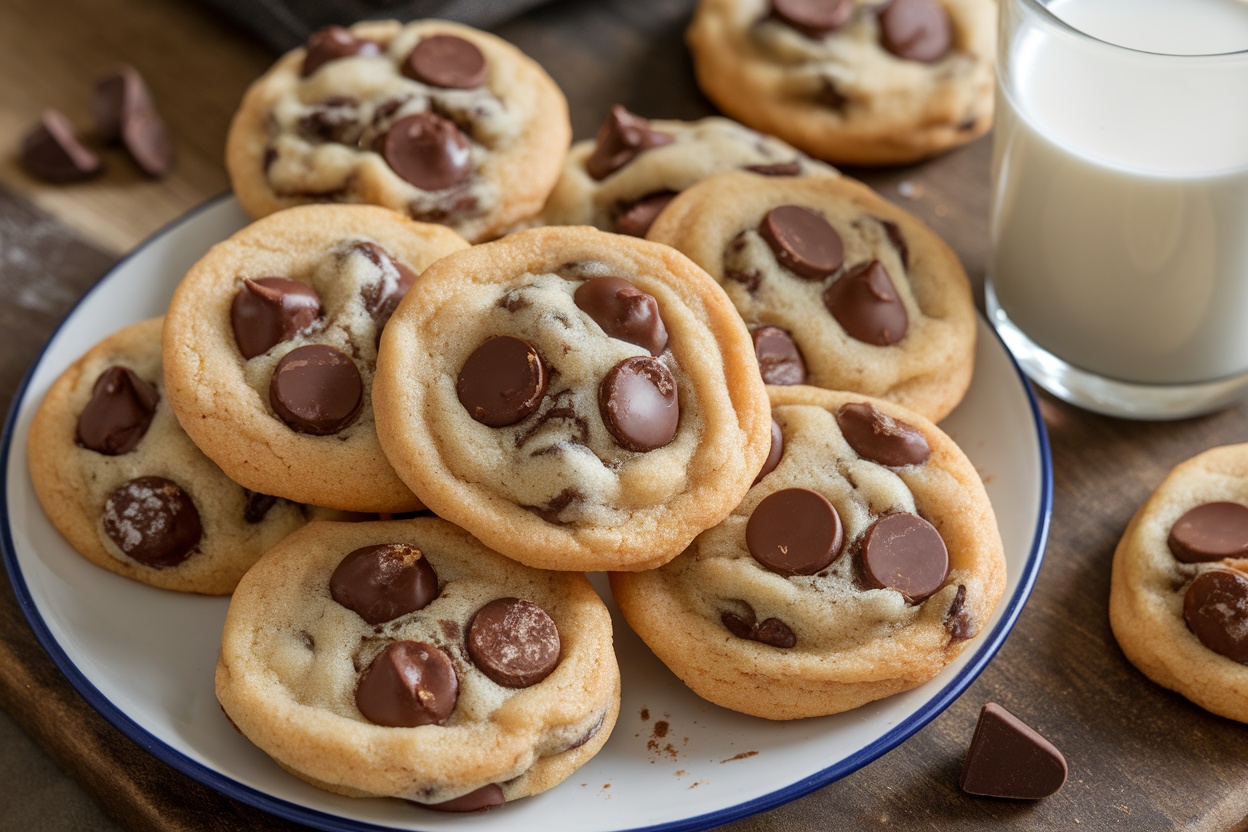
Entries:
{"x":772,"y":631}
{"x":514,"y":642}
{"x":773,"y":454}
{"x":779,"y":359}
{"x":635,"y":219}
{"x":446,"y":61}
{"x":1215,"y":608}
{"x":865,"y":303}
{"x":258,"y":506}
{"x":332,"y":43}
{"x":317,"y":390}
{"x":335,"y":119}
{"x":428,"y":151}
{"x":450,"y":206}
{"x":639,"y":403}
{"x":881,"y":438}
{"x":477,"y":800}
{"x":410,"y":683}
{"x":109,"y":100}
{"x":1211,"y":531}
{"x":620,"y":138}
{"x":269,"y":310}
{"x":588,"y":735}
{"x":124,"y":110}
{"x":958,"y":622}
{"x":778,"y":169}
{"x":381,"y":583}
{"x":118,"y":414}
{"x":813,"y":18}
{"x":382,"y":298}
{"x":153,"y":521}
{"x":897,"y":239}
{"x":1008,"y":758}
{"x":750,"y":279}
{"x":916,"y":30}
{"x":829,"y":95}
{"x":904,"y":552}
{"x":794,"y":532}
{"x":802,"y":241}
{"x":53,"y":153}
{"x":623,"y":311}
{"x":503,"y":381}
{"x":739,"y":626}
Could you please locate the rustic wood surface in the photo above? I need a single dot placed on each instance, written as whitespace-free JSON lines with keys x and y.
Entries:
{"x":1140,"y":757}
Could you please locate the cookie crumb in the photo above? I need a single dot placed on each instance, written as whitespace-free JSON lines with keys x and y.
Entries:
{"x":743,"y":755}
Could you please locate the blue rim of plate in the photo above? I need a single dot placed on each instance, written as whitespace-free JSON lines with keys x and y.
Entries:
{"x":332,"y":823}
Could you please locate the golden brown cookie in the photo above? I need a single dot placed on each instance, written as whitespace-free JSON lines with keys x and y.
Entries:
{"x":270,"y":345}
{"x":575,"y":399}
{"x":404,"y":659}
{"x":433,"y":119}
{"x":862,"y":562}
{"x":840,"y":288}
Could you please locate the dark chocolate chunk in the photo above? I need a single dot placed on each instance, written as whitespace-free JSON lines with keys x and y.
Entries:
{"x":477,"y":800}
{"x":795,"y":531}
{"x":802,"y":241}
{"x":335,"y":119}
{"x":829,"y":95}
{"x":514,"y":642}
{"x":774,"y":454}
{"x":750,"y":279}
{"x":552,"y":510}
{"x":635,"y":219}
{"x":332,"y":43}
{"x":153,"y":521}
{"x":916,"y":30}
{"x":119,"y":413}
{"x":124,"y":110}
{"x":779,"y":359}
{"x":410,"y":683}
{"x":620,"y":138}
{"x":1215,"y":608}
{"x":52,"y":151}
{"x":503,"y":381}
{"x":317,"y":390}
{"x":771,"y":631}
{"x":865,"y":303}
{"x":1212,"y":531}
{"x":446,"y":61}
{"x":739,"y":626}
{"x":898,"y":241}
{"x":427,"y":151}
{"x":258,"y":506}
{"x":904,"y":552}
{"x":813,"y":18}
{"x":382,"y":298}
{"x":269,"y":310}
{"x":881,"y":438}
{"x":623,"y":311}
{"x":639,"y":403}
{"x":381,"y":583}
{"x":1008,"y":758}
{"x":793,"y":168}
{"x":958,"y":621}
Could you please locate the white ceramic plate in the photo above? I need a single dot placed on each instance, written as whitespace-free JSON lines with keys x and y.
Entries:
{"x":144,"y":658}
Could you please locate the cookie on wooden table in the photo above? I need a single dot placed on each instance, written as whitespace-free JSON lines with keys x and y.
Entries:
{"x":840,"y":288}
{"x":575,"y":399}
{"x":864,"y":559}
{"x":433,"y":119}
{"x":1178,"y":601}
{"x":860,"y":82}
{"x":404,"y":659}
{"x":270,"y":346}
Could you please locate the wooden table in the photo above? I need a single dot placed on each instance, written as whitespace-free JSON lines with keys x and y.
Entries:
{"x":1140,"y":757}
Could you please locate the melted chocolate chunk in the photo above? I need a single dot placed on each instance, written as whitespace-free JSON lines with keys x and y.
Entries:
{"x":904,"y":552}
{"x":793,"y":168}
{"x":774,"y":454}
{"x":335,"y":119}
{"x":623,"y":311}
{"x":514,"y":642}
{"x":382,"y":298}
{"x":551,"y":511}
{"x":561,"y":409}
{"x":124,"y":111}
{"x":620,"y":138}
{"x":446,"y":61}
{"x":452,"y":205}
{"x":813,"y":18}
{"x":1009,"y":759}
{"x":958,"y":622}
{"x":52,"y":151}
{"x":119,"y":413}
{"x":381,"y":583}
{"x":779,"y":359}
{"x":916,"y":30}
{"x":410,"y":683}
{"x":795,"y":531}
{"x":829,"y":95}
{"x":257,"y":507}
{"x":751,"y":279}
{"x":333,"y":43}
{"x":316,"y":390}
{"x":428,"y":151}
{"x":503,"y":381}
{"x":881,"y":438}
{"x":635,"y":219}
{"x":153,"y":521}
{"x":865,"y":303}
{"x":639,"y":403}
{"x":897,"y":239}
{"x":1209,"y":532}
{"x":772,"y":631}
{"x":477,"y":800}
{"x":269,"y":310}
{"x":802,"y":241}
{"x":1215,"y":608}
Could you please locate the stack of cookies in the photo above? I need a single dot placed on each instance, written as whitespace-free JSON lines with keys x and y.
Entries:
{"x":399,"y":435}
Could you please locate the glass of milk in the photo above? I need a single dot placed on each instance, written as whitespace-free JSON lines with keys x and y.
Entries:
{"x":1119,"y":269}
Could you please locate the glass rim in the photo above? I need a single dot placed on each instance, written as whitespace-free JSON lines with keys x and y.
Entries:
{"x":1041,"y":8}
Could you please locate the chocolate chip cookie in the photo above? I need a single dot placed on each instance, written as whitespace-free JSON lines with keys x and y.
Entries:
{"x":575,"y":399}
{"x":436,"y":120}
{"x":863,"y":560}
{"x":125,"y":485}
{"x":1178,"y":599}
{"x":840,"y":288}
{"x":864,"y":82}
{"x":270,"y":346}
{"x":404,"y":659}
